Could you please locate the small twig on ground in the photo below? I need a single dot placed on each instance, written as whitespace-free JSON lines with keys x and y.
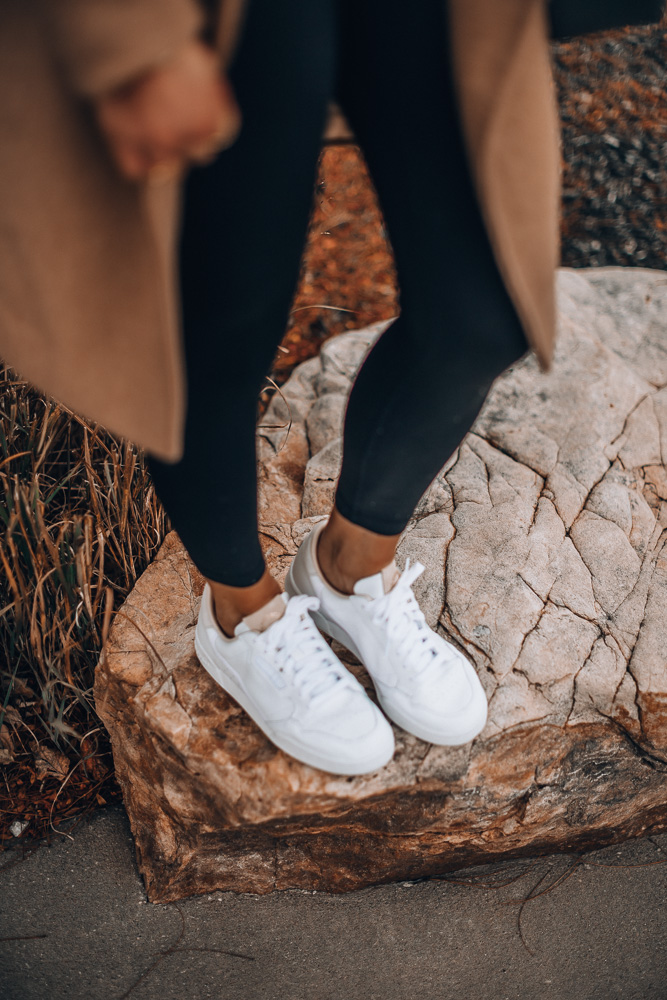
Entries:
{"x":176,"y":947}
{"x":23,"y":937}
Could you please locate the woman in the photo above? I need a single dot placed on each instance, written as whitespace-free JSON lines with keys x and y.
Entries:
{"x":396,"y":70}
{"x":418,"y":392}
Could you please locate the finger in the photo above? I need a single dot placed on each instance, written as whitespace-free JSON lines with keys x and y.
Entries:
{"x":215,"y":128}
{"x":166,"y":171}
{"x":141,"y":161}
{"x":205,"y":150}
{"x":130,"y":159}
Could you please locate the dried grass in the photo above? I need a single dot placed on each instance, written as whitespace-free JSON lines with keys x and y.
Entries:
{"x":81,"y":522}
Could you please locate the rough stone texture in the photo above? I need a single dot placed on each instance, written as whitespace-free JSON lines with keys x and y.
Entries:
{"x":544,"y":545}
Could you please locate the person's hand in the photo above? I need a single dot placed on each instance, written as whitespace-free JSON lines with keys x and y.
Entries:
{"x":182,"y":112}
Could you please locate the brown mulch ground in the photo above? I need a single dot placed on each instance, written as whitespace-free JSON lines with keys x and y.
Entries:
{"x":613,"y":102}
{"x":612,"y":91}
{"x":347,"y":279}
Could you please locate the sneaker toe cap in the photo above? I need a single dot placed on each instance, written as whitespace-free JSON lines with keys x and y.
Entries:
{"x":357,"y":732}
{"x":449,"y":706}
{"x":450,"y":689}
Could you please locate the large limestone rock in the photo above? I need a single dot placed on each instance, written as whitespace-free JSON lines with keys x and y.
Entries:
{"x":544,"y":545}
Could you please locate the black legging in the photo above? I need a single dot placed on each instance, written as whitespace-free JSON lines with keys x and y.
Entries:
{"x":245,"y":220}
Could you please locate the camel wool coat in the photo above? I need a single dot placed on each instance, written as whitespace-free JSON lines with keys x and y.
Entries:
{"x":89,"y":309}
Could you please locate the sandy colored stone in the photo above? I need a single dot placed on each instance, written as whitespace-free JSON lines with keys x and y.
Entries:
{"x":543,"y":544}
{"x":325,"y":420}
{"x":320,"y":476}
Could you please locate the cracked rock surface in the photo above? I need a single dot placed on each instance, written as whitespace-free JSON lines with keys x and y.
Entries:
{"x":543,"y":540}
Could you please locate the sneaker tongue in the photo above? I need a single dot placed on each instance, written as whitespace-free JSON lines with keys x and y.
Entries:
{"x":379,"y":583}
{"x":267,"y":615}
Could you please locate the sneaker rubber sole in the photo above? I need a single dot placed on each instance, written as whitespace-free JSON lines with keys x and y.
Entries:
{"x":304,"y":755}
{"x":335,"y":631}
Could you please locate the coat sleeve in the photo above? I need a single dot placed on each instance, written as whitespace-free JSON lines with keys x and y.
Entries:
{"x":101,"y":44}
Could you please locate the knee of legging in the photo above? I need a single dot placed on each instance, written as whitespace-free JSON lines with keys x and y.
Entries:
{"x":456,"y":339}
{"x":232,"y":351}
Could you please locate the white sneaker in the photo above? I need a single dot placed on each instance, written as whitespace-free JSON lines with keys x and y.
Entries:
{"x":422,"y":681}
{"x":282,"y":672}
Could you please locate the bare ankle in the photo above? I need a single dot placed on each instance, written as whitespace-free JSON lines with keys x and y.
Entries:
{"x":327,"y":557}
{"x":347,"y":552}
{"x":232,"y":604}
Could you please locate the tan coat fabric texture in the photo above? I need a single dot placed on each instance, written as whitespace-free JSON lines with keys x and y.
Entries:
{"x":89,"y":308}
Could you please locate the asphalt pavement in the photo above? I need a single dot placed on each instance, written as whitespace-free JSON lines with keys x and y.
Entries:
{"x":75,"y":923}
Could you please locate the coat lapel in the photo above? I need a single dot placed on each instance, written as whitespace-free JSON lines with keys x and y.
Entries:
{"x":228,"y":28}
{"x":92,"y":319}
{"x":509,"y":117}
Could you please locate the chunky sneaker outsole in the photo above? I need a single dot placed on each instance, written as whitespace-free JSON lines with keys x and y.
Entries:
{"x":423,"y":683}
{"x":296,"y":690}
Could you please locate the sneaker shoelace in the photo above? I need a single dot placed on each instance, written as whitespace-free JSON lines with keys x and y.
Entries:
{"x":399,"y":613}
{"x":302,"y":655}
